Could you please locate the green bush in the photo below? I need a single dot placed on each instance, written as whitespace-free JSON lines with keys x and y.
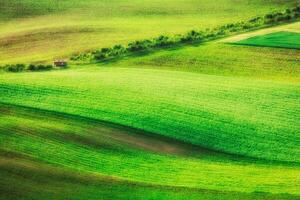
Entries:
{"x":39,"y":67}
{"x":23,"y":67}
{"x":100,"y":56}
{"x":118,"y":50}
{"x":44,"y":67}
{"x":189,"y":37}
{"x":288,"y":11}
{"x":139,"y":45}
{"x":105,"y":50}
{"x":162,"y":41}
{"x":287,"y":15}
{"x":31,"y":67}
{"x":255,"y":20}
{"x":296,"y":9}
{"x":15,"y":68}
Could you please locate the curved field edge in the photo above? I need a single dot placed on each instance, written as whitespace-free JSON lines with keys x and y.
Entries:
{"x":293,"y":27}
{"x":255,"y":118}
{"x":222,"y":59}
{"x":94,"y":149}
{"x":95,"y":24}
{"x":22,"y":179}
{"x":289,"y":40}
{"x":124,"y":137}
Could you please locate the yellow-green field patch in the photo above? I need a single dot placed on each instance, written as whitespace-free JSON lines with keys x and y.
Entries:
{"x":110,"y":22}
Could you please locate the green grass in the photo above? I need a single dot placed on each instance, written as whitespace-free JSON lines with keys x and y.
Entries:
{"x":230,"y":114}
{"x":223,"y":60}
{"x":216,"y":121}
{"x":100,"y":160}
{"x":23,"y":183}
{"x":241,"y":115}
{"x":33,"y":31}
{"x":280,"y":39}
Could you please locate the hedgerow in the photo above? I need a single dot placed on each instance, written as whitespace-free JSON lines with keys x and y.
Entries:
{"x":23,"y":67}
{"x":39,"y":67}
{"x":14,"y":68}
{"x":192,"y":36}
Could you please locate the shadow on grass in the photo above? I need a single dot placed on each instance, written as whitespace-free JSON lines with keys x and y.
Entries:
{"x":146,"y":53}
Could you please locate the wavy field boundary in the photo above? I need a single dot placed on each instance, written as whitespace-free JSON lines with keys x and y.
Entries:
{"x":40,"y":31}
{"x":90,"y":155}
{"x":204,"y":122}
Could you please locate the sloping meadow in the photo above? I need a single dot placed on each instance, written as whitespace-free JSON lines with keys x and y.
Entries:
{"x":247,"y":117}
{"x":40,"y":31}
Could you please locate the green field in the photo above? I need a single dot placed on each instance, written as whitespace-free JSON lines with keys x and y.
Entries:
{"x":33,"y":31}
{"x":209,"y":121}
{"x":230,"y":115}
{"x":109,"y":160}
{"x":279,"y":39}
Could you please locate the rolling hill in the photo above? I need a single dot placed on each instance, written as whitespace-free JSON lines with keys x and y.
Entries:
{"x":32,"y":31}
{"x":217,"y":120}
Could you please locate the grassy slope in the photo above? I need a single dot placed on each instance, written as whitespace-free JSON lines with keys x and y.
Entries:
{"x":34,"y":31}
{"x":23,"y":182}
{"x":77,"y":153}
{"x":232,"y":114}
{"x":265,"y":107}
{"x":279,"y":39}
{"x":242,"y":100}
{"x":224,"y":60}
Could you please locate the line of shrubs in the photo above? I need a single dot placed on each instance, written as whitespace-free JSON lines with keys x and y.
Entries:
{"x":188,"y":38}
{"x":23,"y":67}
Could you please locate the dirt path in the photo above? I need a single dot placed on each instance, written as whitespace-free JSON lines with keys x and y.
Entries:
{"x":294,"y":27}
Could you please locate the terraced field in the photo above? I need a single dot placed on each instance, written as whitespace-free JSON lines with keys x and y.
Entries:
{"x":211,"y":121}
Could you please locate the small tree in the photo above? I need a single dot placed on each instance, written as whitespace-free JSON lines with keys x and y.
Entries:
{"x":139,"y":45}
{"x":100,"y":56}
{"x":118,"y":50}
{"x":15,"y":68}
{"x":31,"y":67}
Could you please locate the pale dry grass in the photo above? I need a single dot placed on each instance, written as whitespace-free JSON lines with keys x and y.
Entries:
{"x":293,"y":27}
